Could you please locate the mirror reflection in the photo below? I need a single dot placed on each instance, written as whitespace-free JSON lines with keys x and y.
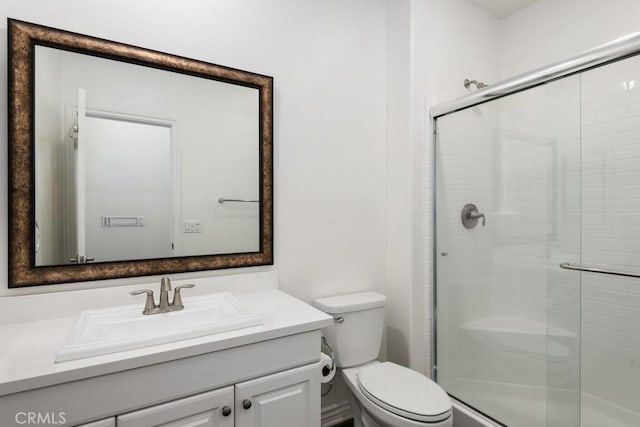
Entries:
{"x":133,"y":162}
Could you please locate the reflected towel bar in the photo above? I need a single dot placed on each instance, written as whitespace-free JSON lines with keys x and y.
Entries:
{"x":222,"y":200}
{"x":568,"y":266}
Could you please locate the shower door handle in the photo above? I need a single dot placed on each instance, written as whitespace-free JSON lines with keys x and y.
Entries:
{"x":568,"y":266}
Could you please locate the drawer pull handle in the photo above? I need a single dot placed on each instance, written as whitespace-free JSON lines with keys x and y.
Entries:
{"x":246,"y":404}
{"x":226,"y":411}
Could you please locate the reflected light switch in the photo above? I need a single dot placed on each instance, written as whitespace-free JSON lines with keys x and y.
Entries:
{"x":191,"y":226}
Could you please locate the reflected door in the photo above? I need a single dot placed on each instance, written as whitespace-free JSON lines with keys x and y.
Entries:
{"x":128,"y":189}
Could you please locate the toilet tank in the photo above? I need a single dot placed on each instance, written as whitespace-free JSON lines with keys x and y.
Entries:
{"x":356,"y":334}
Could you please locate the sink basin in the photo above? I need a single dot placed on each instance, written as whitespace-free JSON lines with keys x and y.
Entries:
{"x":125,"y":328}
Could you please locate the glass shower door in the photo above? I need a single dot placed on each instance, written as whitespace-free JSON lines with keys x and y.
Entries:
{"x":508,"y":317}
{"x":610,"y":108}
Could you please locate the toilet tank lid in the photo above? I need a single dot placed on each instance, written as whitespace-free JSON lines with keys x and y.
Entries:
{"x":350,"y":302}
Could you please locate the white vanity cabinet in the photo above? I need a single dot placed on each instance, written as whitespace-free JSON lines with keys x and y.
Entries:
{"x":272,"y":369}
{"x":289,"y":398}
{"x":280,"y":378}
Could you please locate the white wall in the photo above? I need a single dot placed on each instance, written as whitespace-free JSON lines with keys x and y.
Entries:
{"x":400,"y":181}
{"x":553,"y":30}
{"x":433,"y":47}
{"x":328,"y":60}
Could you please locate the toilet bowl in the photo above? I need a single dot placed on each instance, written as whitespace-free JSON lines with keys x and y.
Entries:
{"x":382,"y":394}
{"x":391,"y":395}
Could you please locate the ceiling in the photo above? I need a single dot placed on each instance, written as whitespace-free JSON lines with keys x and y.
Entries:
{"x":501,"y":8}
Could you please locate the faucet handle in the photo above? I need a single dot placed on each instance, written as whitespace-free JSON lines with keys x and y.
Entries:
{"x":149,"y":304}
{"x":177,"y":297}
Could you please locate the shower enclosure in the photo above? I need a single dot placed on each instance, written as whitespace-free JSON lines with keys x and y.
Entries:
{"x":537,"y":309}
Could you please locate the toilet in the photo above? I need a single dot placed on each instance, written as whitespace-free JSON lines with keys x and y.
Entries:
{"x":383,"y":394}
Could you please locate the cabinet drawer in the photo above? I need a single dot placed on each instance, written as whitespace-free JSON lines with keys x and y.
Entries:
{"x":201,"y":410}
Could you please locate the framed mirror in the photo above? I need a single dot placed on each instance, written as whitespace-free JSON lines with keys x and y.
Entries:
{"x":125,"y":161}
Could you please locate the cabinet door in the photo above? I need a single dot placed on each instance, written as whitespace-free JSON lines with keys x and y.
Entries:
{"x":286,"y":399}
{"x":202,"y":410}
{"x":109,"y":422}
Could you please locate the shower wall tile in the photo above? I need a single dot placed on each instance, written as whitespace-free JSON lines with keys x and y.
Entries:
{"x":428,"y":250}
{"x":611,"y":239}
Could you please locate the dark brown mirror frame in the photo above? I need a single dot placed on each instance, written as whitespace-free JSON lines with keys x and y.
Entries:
{"x":23,"y":37}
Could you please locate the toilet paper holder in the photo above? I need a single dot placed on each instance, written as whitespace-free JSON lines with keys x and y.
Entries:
{"x":326,"y":369}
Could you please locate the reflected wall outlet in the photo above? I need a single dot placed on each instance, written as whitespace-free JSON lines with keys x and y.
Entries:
{"x":191,"y":226}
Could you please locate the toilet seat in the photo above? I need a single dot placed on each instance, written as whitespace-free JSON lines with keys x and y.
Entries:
{"x":404,"y":392}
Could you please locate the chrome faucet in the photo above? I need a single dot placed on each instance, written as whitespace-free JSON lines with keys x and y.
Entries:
{"x":150,"y":306}
{"x":165,"y":288}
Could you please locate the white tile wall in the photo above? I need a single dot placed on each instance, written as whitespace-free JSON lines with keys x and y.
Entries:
{"x":611,"y":238}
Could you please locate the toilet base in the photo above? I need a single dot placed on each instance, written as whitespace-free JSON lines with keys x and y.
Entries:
{"x":367,"y":414}
{"x":361,"y":418}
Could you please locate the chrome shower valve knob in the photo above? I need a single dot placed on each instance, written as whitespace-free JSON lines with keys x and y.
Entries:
{"x":470,"y":216}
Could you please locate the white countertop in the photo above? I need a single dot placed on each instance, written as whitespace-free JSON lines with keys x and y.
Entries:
{"x":29,"y":348}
